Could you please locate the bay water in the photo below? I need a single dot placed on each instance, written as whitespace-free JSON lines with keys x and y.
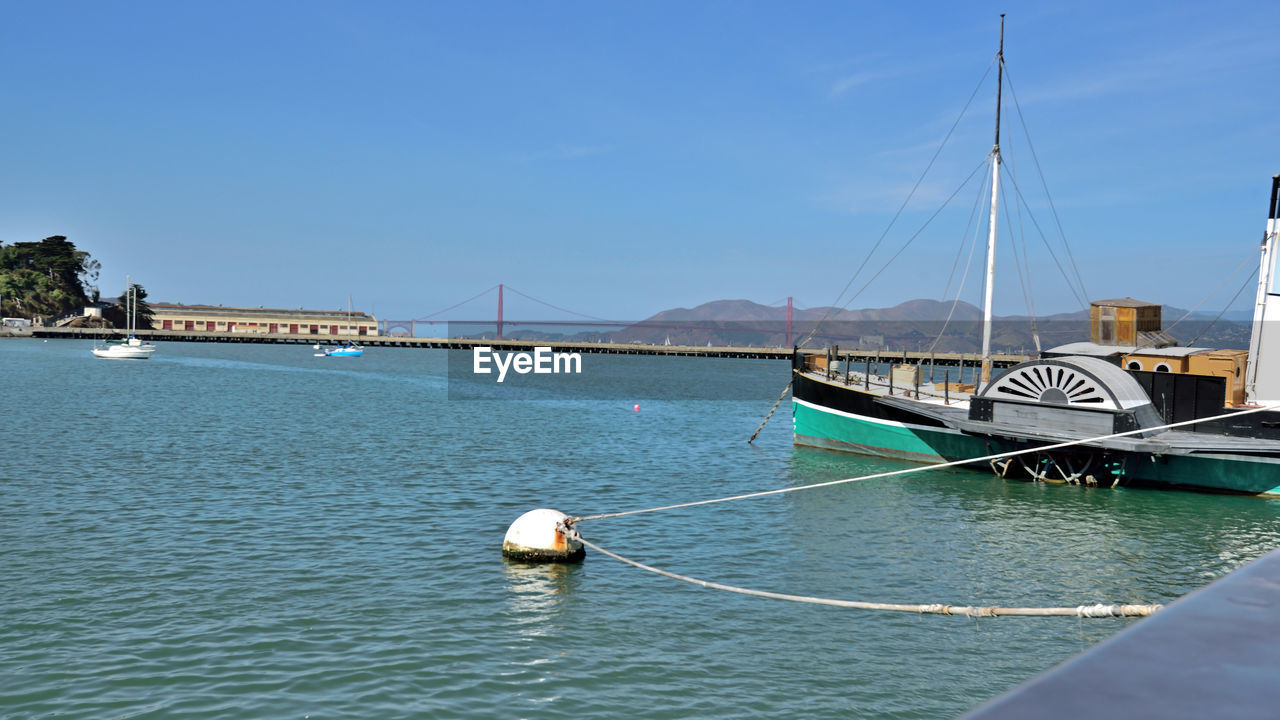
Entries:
{"x":250,"y":531}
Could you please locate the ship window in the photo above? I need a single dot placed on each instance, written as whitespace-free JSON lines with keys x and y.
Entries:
{"x":1133,"y":365}
{"x":1162,"y":367}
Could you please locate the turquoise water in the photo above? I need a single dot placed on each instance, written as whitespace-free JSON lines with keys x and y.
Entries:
{"x":242,"y":531}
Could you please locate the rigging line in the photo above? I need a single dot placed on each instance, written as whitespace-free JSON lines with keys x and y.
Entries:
{"x":922,"y":468}
{"x":464,"y":302}
{"x":1043,"y":238}
{"x":1248,"y":258}
{"x":1023,"y":265}
{"x":917,"y":234}
{"x":1080,"y":611}
{"x":919,"y":181}
{"x":771,"y":411}
{"x":964,"y":239}
{"x":977,"y":227}
{"x":955,"y":263}
{"x":1043,"y":183}
{"x":867,"y":258}
{"x":1013,"y":235}
{"x":1230,"y":302}
{"x":1029,"y":287}
{"x":1026,"y":254}
{"x":556,"y":307}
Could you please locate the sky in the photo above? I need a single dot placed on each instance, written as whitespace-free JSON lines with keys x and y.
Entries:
{"x":619,"y":159}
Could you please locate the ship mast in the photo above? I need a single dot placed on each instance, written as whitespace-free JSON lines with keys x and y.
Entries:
{"x":995,"y":209}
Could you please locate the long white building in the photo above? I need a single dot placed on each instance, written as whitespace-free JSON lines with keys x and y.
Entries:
{"x":209,"y":318}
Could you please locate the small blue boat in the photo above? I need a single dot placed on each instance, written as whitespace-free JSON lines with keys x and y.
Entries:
{"x":345,"y":350}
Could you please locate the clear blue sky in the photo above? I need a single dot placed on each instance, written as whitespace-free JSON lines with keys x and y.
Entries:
{"x":623,"y":158}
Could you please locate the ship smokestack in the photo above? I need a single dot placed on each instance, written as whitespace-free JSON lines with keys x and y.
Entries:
{"x":1275,"y":190}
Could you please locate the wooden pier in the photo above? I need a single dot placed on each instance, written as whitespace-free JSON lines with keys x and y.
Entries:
{"x":764,"y":353}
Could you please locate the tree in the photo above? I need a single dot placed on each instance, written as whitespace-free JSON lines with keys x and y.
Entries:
{"x":118,"y":313}
{"x":47,"y":278}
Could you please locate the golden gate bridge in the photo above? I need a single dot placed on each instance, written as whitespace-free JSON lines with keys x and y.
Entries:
{"x":583,"y":322}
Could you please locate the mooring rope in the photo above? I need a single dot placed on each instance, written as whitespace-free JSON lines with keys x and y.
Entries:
{"x":772,"y":410}
{"x":1080,"y":611}
{"x":920,"y":468}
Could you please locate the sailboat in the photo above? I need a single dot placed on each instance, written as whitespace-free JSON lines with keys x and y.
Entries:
{"x":348,"y":348}
{"x":131,"y":348}
{"x":1128,"y":407}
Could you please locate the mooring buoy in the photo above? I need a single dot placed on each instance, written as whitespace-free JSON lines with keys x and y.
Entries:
{"x":539,"y":536}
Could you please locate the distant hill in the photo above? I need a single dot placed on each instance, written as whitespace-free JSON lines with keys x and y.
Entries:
{"x":912,"y":325}
{"x":748,"y":311}
{"x":918,"y":325}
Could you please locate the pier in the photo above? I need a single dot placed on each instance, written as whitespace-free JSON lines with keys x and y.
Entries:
{"x":1211,"y":654}
{"x":596,"y":348}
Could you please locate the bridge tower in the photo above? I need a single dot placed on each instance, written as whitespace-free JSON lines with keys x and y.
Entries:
{"x":499,"y":311}
{"x":788,"y":323}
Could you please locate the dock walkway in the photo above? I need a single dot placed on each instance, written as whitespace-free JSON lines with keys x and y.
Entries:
{"x":766,"y":353}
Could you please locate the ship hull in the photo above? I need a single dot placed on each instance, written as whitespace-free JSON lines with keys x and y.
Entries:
{"x":828,"y":416}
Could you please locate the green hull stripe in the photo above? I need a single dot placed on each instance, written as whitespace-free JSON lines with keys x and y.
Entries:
{"x":846,"y":432}
{"x":838,"y":431}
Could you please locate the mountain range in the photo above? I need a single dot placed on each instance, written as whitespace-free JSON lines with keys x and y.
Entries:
{"x":918,"y":325}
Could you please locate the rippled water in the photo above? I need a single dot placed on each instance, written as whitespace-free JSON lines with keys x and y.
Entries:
{"x":249,"y":531}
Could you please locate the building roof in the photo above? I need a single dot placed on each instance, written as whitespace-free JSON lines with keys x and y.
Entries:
{"x":171,"y":308}
{"x":1169,"y":351}
{"x":1124,"y":302}
{"x":1090,"y":349}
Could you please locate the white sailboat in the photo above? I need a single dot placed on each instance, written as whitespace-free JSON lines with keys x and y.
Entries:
{"x":348,"y":348}
{"x":131,"y":348}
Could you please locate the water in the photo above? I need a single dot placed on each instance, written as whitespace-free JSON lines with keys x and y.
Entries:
{"x":242,"y":531}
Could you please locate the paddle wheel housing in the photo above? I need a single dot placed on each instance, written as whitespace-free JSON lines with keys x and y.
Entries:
{"x":1072,"y":395}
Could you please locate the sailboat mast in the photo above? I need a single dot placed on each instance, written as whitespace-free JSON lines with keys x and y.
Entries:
{"x":129,"y":306}
{"x":995,"y":212}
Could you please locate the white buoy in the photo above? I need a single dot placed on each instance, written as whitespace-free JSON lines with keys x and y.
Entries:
{"x":538,"y":536}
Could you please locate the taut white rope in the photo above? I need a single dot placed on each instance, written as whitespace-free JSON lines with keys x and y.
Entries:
{"x":922,"y":468}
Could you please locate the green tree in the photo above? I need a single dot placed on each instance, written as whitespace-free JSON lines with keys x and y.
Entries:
{"x":49,"y":278}
{"x":117,"y":313}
